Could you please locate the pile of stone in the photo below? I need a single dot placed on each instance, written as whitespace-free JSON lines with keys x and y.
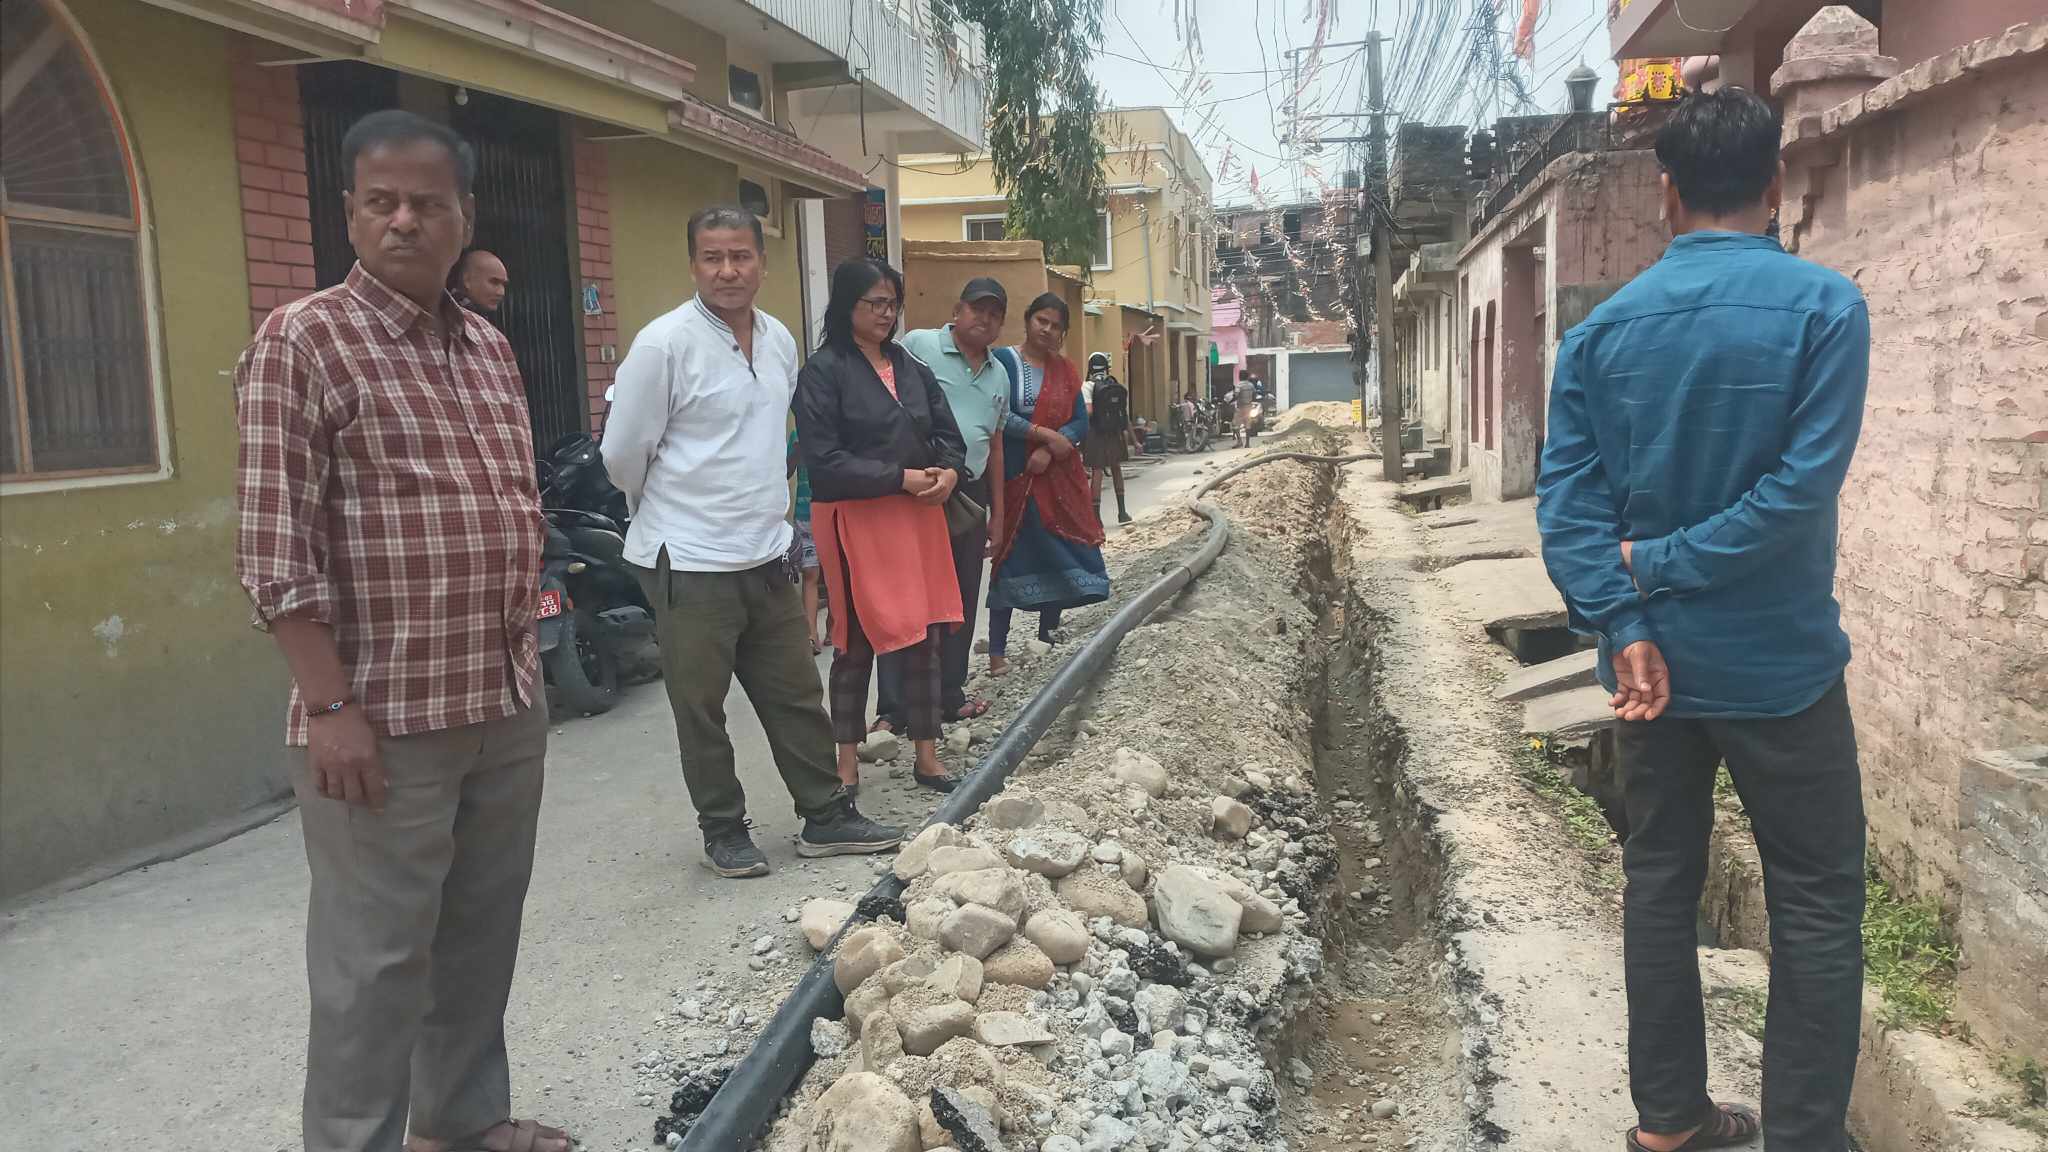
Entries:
{"x":1048,"y":988}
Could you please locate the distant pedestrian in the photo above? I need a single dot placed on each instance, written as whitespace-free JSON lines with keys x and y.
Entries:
{"x":1109,"y":430}
{"x":418,"y":718}
{"x":976,"y":377}
{"x":1049,"y":557}
{"x":697,"y":440}
{"x":1701,"y":422}
{"x":479,"y":281}
{"x":884,"y":457}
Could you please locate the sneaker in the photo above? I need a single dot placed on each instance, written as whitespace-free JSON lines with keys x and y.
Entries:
{"x":843,"y":831}
{"x":729,"y":851}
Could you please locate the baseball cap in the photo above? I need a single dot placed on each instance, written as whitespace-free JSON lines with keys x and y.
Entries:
{"x":985,"y":288}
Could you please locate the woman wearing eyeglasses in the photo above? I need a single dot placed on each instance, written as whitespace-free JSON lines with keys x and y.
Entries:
{"x":884,"y":454}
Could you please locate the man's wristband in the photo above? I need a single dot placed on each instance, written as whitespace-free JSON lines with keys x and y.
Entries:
{"x":315,"y":711}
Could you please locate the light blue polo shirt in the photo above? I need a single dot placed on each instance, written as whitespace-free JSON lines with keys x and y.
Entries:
{"x":978,"y":399}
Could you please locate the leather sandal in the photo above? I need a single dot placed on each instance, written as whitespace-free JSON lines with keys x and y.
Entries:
{"x":526,"y":1136}
{"x":1727,"y":1126}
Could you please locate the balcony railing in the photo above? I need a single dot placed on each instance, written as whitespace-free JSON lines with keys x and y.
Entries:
{"x":926,"y":64}
{"x":1528,"y":157}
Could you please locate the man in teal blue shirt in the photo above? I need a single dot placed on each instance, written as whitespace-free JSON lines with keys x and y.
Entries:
{"x":976,"y":381}
{"x":1701,"y":423}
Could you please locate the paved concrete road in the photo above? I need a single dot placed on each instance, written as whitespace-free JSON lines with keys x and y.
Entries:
{"x":165,"y":1008}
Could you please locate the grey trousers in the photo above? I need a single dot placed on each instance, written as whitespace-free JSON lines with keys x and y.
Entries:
{"x":412,"y":933}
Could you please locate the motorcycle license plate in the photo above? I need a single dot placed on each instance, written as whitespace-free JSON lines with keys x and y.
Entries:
{"x":550,"y":603}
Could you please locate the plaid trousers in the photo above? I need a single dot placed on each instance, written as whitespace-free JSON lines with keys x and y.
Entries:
{"x":852,"y":668}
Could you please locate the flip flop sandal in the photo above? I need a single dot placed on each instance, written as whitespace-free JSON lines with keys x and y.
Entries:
{"x":526,"y":1137}
{"x":1731,"y":1125}
{"x":972,"y":710}
{"x":940,"y":783}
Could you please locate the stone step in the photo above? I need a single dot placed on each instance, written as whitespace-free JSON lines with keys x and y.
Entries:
{"x":1574,"y":713}
{"x":1573,"y":671}
{"x":1501,"y":594}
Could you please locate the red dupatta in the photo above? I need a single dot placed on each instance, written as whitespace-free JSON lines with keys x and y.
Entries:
{"x":1064,"y":501}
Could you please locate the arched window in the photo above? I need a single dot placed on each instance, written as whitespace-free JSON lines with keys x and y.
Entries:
{"x":79,"y":398}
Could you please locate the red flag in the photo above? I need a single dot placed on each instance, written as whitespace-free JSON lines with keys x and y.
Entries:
{"x":1525,"y":34}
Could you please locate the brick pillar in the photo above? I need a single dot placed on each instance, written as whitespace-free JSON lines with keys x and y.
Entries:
{"x":594,"y":244}
{"x":270,"y":146}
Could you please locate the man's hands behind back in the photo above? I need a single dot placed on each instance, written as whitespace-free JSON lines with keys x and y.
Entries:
{"x":1642,"y":682}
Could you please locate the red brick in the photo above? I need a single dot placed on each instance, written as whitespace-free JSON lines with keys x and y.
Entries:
{"x":289,"y":113}
{"x":294,"y":183}
{"x":261,"y":177}
{"x":287,"y":252}
{"x":290,"y":157}
{"x":260,"y":224}
{"x":601,"y":236}
{"x":583,"y":234}
{"x":256,"y":318}
{"x":287,"y":295}
{"x":266,"y":273}
{"x":254,"y":127}
{"x":604,"y":270}
{"x":258,"y":248}
{"x":302,"y":276}
{"x":300,"y":231}
{"x":285,"y":204}
{"x":262,"y":297}
{"x":250,"y":152}
{"x":589,"y":269}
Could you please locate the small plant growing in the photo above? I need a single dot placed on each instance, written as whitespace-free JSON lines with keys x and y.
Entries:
{"x":1909,"y":955}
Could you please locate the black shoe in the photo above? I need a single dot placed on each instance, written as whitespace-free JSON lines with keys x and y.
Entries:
{"x":843,"y":831}
{"x":730,"y":851}
{"x":943,"y":782}
{"x":1123,"y":517}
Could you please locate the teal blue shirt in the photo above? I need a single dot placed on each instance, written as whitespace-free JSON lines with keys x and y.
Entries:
{"x":802,"y":502}
{"x":1707,"y":412}
{"x":978,"y":397}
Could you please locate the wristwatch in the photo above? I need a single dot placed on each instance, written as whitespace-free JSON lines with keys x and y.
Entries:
{"x":317,"y":710}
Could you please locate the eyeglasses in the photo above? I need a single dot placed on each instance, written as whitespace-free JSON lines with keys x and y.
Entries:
{"x":882,"y":305}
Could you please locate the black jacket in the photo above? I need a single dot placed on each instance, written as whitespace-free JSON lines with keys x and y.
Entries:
{"x":856,"y":439}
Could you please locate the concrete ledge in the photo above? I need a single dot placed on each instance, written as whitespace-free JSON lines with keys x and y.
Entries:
{"x":1574,"y":671}
{"x":2012,"y":46}
{"x":1914,"y":1091}
{"x":1500,"y":594}
{"x":1569,"y":715}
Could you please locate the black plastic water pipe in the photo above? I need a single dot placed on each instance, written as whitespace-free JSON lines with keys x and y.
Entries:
{"x":748,"y":1099}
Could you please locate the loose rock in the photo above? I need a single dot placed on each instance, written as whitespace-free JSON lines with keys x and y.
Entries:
{"x":1060,"y":934}
{"x":1194,"y":912}
{"x":972,"y":1127}
{"x":820,"y":919}
{"x":1092,"y":894}
{"x":864,"y":1112}
{"x":1229,"y":820}
{"x":862,"y":954}
{"x":1013,"y":809}
{"x":927,"y":1028}
{"x":962,"y":858}
{"x":881,"y":1041}
{"x":999,"y":888}
{"x":1009,"y":1029}
{"x":1050,"y":852}
{"x":1019,"y":962}
{"x":959,"y":975}
{"x":977,"y":930}
{"x":1135,"y":768}
{"x":829,"y":1038}
{"x":923,"y":917}
{"x":879,"y":746}
{"x":915,"y":857}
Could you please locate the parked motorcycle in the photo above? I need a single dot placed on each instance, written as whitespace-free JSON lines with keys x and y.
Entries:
{"x":592,"y":610}
{"x":1199,"y":430}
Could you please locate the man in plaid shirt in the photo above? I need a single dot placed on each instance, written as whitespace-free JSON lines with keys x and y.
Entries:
{"x":390,"y":537}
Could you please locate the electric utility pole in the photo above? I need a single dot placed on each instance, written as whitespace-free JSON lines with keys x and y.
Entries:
{"x":1375,"y":197}
{"x":1379,"y":202}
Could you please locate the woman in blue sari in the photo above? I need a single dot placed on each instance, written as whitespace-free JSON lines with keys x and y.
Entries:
{"x":1050,"y":556}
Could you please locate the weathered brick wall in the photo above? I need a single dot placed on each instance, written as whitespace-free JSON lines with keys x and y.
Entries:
{"x":594,"y":256}
{"x":270,"y":146}
{"x":1934,"y":208}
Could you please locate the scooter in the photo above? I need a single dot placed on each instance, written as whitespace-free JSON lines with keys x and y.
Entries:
{"x":592,"y":610}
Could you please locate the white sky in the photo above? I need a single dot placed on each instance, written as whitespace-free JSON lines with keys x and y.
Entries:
{"x":1243,"y":80}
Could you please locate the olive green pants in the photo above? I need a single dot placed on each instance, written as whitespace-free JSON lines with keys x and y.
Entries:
{"x":713,"y":626}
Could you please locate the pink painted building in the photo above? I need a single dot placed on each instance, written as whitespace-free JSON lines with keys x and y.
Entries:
{"x":1226,"y":324}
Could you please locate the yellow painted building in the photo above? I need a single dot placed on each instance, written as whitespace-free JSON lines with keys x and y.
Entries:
{"x":172,"y":174}
{"x":1147,"y":293}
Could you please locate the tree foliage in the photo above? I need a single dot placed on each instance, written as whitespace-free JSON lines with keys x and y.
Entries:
{"x":1043,"y":105}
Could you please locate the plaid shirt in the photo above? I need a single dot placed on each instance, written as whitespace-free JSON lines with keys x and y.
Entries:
{"x":386,"y":487}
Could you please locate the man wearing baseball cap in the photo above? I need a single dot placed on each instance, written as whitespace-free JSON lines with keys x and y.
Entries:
{"x":976,"y":377}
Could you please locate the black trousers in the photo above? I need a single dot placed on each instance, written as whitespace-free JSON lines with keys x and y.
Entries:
{"x":1800,"y":784}
{"x":956,"y":646}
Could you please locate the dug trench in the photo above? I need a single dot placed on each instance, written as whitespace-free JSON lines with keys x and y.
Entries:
{"x":1276,"y":881}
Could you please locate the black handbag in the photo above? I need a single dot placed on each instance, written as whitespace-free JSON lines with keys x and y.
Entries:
{"x":963,"y":514}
